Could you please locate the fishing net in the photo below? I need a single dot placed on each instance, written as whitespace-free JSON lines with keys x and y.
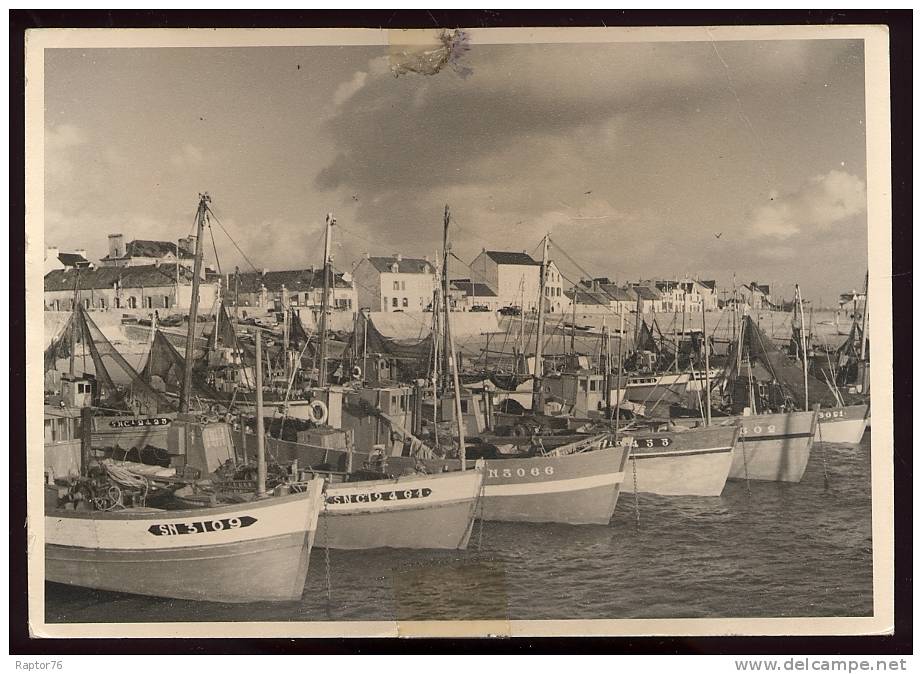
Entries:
{"x":166,"y":363}
{"x":127,"y":389}
{"x":60,"y":346}
{"x":787,"y":373}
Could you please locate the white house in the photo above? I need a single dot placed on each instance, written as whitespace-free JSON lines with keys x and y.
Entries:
{"x":141,"y":288}
{"x":515,"y":278}
{"x":142,"y":252}
{"x":297,"y":288}
{"x":756,"y":295}
{"x":394,"y":283}
{"x":55,"y":259}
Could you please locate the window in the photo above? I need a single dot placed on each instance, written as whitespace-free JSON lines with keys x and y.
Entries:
{"x":403,"y":285}
{"x":102,"y":302}
{"x":464,"y":407}
{"x":132,"y":302}
{"x":406,"y":302}
{"x":165,"y":301}
{"x":592,"y":385}
{"x":394,"y":302}
{"x":148,"y":302}
{"x":86,"y":303}
{"x":118,"y":302}
{"x":396,"y":285}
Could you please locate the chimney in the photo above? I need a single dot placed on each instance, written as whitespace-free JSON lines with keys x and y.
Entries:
{"x":116,"y":245}
{"x":265,"y":271}
{"x":398,"y":257}
{"x":186,"y":245}
{"x":366,"y":255}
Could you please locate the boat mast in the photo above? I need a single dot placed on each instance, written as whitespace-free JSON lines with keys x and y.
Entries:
{"x":620,"y":395}
{"x":864,"y":337}
{"x":446,"y":352}
{"x":260,"y":430}
{"x":436,"y":355}
{"x":606,"y":336}
{"x":573,"y":327}
{"x":325,"y":301}
{"x":452,"y":356}
{"x":73,"y":323}
{"x":236,"y":294}
{"x":803,"y":345}
{"x":286,"y":333}
{"x":537,"y":397}
{"x":707,"y":363}
{"x":203,"y":201}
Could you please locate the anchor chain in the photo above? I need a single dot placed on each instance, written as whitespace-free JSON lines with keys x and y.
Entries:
{"x":636,"y":500}
{"x":480,"y":500}
{"x":326,"y":558}
{"x":819,"y":431}
{"x":746,"y":469}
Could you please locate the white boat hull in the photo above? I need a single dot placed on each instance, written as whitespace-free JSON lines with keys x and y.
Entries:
{"x":255,"y":551}
{"x":687,"y":463}
{"x":773,"y":447}
{"x":412,"y":511}
{"x":843,"y":425}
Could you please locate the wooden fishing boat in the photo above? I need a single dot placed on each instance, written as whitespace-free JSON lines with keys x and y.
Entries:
{"x":410,"y":511}
{"x":844,"y":424}
{"x":580,"y":488}
{"x":576,"y":484}
{"x":681,"y":461}
{"x":774,"y":447}
{"x":256,"y":551}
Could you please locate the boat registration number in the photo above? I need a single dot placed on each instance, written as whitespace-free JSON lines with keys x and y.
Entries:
{"x":646,"y":442}
{"x":832,"y":414}
{"x":136,"y":423}
{"x":202,"y":527}
{"x":374,"y":497}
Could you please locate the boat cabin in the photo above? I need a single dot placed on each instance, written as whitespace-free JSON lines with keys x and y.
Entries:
{"x":583,"y":390}
{"x":373,"y":413}
{"x":63,"y":431}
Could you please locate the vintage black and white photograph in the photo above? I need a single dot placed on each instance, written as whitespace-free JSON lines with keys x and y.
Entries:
{"x":479,"y":331}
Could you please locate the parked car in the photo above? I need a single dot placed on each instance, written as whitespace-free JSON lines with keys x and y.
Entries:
{"x":511,"y":311}
{"x":480,"y":307}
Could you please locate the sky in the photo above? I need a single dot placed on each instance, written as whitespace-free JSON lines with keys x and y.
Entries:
{"x":719,"y":160}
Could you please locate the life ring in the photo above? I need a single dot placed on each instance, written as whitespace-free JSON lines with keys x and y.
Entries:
{"x":319,"y":412}
{"x":356,"y":372}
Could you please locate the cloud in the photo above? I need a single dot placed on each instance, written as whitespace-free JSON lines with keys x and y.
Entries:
{"x":188,"y":156}
{"x":347,"y":90}
{"x":62,"y":137}
{"x":820,"y":203}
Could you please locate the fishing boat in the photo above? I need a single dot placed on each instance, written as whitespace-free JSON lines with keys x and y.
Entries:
{"x":409,"y":511}
{"x":256,"y":551}
{"x":774,"y":447}
{"x":577,"y":483}
{"x":844,"y":424}
{"x":103,"y":536}
{"x":578,"y":488}
{"x":677,"y":461}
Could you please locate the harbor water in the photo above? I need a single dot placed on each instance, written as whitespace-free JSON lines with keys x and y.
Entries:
{"x":783,"y":550}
